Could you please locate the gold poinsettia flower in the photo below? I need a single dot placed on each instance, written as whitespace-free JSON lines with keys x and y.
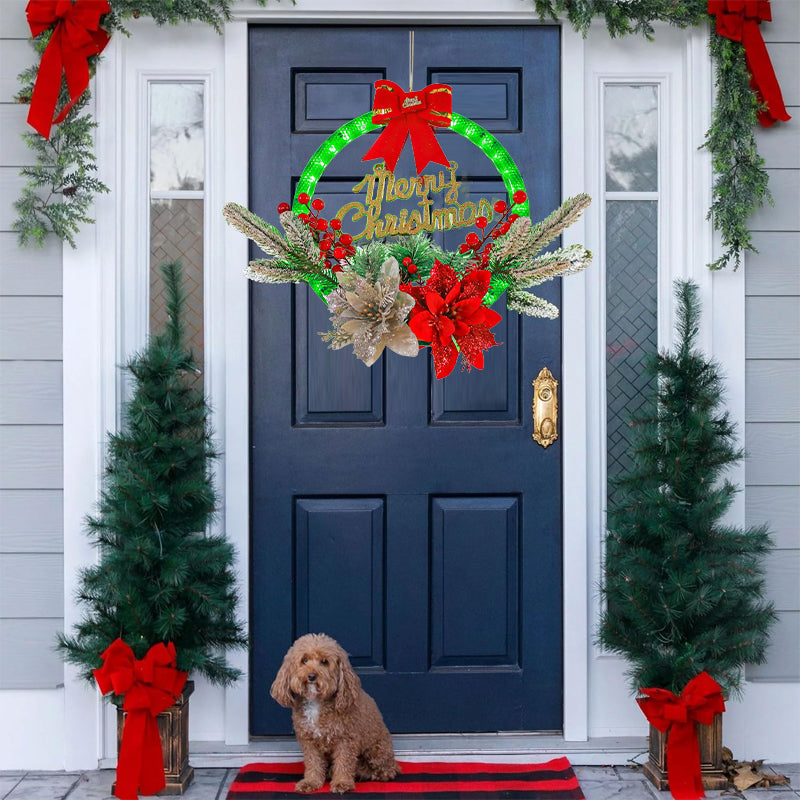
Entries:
{"x":371,"y":315}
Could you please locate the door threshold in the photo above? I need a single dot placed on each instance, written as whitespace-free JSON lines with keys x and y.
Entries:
{"x":502,"y":747}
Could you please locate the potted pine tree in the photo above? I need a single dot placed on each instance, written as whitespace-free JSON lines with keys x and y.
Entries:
{"x":162,"y":580}
{"x":683,"y":590}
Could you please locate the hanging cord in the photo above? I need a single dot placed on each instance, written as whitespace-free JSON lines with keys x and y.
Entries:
{"x":411,"y":61}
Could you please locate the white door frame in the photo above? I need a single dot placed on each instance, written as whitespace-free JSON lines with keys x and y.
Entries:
{"x":93,"y":311}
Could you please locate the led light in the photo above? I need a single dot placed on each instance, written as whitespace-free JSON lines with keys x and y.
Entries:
{"x":470,"y":130}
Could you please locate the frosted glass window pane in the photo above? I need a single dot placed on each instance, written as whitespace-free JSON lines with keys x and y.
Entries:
{"x":630,"y":123}
{"x":631,"y":318}
{"x":176,"y":136}
{"x":176,"y":234}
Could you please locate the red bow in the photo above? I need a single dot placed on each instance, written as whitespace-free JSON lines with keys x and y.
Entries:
{"x":150,"y":686}
{"x":413,"y":113}
{"x":700,"y":700}
{"x":76,"y":36}
{"x":738,"y":20}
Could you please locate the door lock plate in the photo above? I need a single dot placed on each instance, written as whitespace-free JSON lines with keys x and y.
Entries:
{"x":545,"y":408}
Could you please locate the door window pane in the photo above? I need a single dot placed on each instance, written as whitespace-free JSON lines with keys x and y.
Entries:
{"x":631,"y":137}
{"x":176,"y":136}
{"x":177,"y":181}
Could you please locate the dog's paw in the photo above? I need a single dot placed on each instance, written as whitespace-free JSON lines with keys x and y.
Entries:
{"x":306,"y":786}
{"x":340,"y":786}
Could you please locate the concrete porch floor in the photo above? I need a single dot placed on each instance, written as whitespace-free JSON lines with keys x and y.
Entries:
{"x":211,"y":783}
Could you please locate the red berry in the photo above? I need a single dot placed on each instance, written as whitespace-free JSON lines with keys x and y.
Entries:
{"x":485,"y":259}
{"x":504,"y":228}
{"x":412,"y":268}
{"x":519,"y":196}
{"x":325,"y":245}
{"x":303,"y":198}
{"x":336,"y":224}
{"x":513,"y":218}
{"x":318,"y":204}
{"x":328,"y":263}
{"x":472,"y":240}
{"x":488,"y":246}
{"x":407,"y":260}
{"x":481,"y":222}
{"x":339,"y":252}
{"x":322,"y":224}
{"x":282,"y":207}
{"x":495,"y":233}
{"x":303,"y":217}
{"x":500,"y":207}
{"x":345,"y":238}
{"x":336,"y":268}
{"x":462,"y":248}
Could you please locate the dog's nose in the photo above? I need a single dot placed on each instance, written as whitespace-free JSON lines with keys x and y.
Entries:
{"x":312,"y":676}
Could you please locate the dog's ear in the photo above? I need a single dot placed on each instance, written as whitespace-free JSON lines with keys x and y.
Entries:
{"x":281,"y":689}
{"x":349,"y":686}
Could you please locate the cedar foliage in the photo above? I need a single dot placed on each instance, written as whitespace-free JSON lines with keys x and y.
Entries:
{"x":160,"y":576}
{"x":683,"y":590}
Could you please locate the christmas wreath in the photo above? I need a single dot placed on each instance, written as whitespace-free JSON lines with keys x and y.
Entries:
{"x":404,"y":292}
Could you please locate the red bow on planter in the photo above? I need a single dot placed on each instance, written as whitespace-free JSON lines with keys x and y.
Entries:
{"x":700,"y":700}
{"x":76,"y":36}
{"x":150,"y":686}
{"x":738,"y":20}
{"x":414,"y":114}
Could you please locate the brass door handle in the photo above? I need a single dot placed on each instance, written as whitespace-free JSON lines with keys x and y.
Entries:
{"x":545,"y":408}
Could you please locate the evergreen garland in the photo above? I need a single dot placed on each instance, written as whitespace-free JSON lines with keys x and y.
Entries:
{"x":740,"y":180}
{"x":684,"y":591}
{"x":160,"y":577}
{"x":61,"y":186}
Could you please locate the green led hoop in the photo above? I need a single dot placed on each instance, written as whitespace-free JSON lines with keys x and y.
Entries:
{"x":352,"y":130}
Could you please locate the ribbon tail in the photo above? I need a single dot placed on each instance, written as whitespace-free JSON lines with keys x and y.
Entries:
{"x":683,"y":762}
{"x":425,"y":145}
{"x":764,"y":81}
{"x":151,"y":778}
{"x":46,"y":89}
{"x":389,"y":144}
{"x":131,"y":753}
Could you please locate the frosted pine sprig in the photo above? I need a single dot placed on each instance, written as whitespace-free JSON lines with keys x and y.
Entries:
{"x":545,"y":231}
{"x":299,"y":235}
{"x":566,"y":261}
{"x":265,"y":271}
{"x":515,"y":244}
{"x":267,"y":237}
{"x":530,"y":305}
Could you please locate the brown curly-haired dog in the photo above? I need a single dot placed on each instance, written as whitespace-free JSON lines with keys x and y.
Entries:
{"x":337,"y":724}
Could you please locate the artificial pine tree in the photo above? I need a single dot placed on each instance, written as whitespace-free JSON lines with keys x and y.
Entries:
{"x":161,"y":576}
{"x":683,"y":590}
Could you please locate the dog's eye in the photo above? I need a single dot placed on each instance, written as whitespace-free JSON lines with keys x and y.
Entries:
{"x":305,"y":659}
{"x":324,"y":661}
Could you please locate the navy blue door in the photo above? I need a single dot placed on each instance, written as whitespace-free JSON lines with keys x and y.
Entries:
{"x":414,"y":520}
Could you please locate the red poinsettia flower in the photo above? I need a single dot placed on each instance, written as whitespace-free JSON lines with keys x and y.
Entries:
{"x":451,"y":316}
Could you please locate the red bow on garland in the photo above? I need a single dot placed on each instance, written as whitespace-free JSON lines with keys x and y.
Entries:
{"x":700,"y":700}
{"x":76,"y":36}
{"x":150,"y":686}
{"x":738,"y":20}
{"x":414,"y":114}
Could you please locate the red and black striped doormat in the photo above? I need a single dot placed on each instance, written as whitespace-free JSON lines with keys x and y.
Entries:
{"x":553,"y":780}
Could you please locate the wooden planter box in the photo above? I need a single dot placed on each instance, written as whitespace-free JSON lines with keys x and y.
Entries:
{"x":173,"y":727}
{"x":710,"y":741}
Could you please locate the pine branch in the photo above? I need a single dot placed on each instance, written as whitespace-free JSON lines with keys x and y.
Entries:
{"x":740,"y":182}
{"x":530,"y":304}
{"x":266,"y":236}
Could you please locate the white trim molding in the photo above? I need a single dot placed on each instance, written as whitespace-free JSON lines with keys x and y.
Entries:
{"x":104,"y":316}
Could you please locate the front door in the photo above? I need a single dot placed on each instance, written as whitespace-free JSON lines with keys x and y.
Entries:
{"x":413,"y":519}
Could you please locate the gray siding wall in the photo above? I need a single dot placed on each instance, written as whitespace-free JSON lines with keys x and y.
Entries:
{"x":772,"y":367}
{"x":31,"y":461}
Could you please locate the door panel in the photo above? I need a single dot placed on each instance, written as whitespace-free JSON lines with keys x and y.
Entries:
{"x":412,"y":519}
